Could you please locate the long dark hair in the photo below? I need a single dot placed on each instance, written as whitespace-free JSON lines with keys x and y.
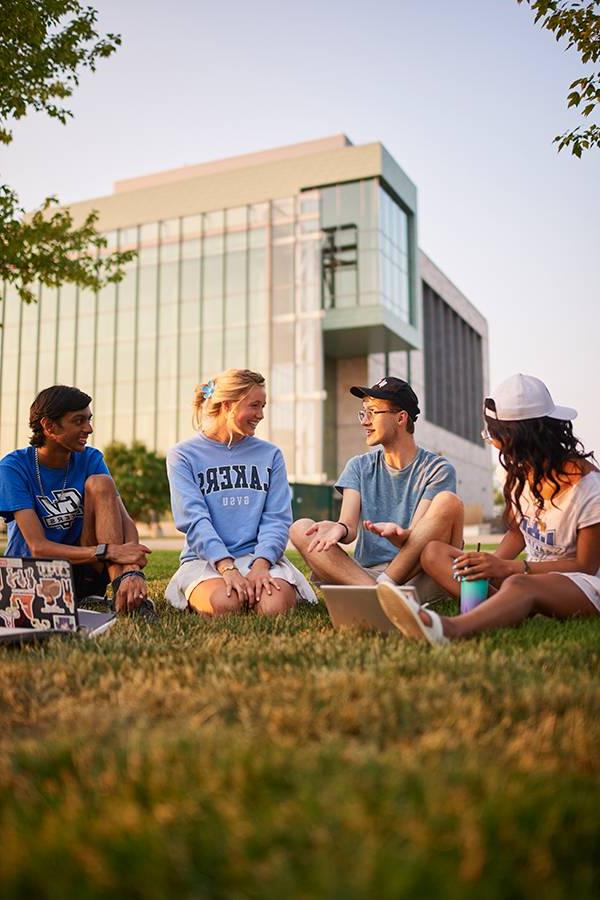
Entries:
{"x":533,"y":451}
{"x":52,"y":403}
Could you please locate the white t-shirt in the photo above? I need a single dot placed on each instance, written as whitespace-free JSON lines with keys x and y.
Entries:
{"x":553,"y":535}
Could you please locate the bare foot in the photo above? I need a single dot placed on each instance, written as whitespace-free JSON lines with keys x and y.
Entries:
{"x":389,"y":530}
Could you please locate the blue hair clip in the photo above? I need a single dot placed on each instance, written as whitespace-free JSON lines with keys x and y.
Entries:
{"x":208,"y":389}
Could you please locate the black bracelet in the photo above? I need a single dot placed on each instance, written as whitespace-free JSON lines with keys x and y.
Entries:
{"x":343,"y":524}
{"x":116,"y":584}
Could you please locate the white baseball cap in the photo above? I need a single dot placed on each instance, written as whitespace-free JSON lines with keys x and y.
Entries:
{"x":525,"y":397}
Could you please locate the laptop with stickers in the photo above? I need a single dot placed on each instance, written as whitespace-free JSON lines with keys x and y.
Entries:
{"x":37,"y":599}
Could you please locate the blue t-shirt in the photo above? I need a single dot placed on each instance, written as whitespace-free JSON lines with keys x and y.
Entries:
{"x":230,"y":501}
{"x":60,"y":511}
{"x":392,"y":495}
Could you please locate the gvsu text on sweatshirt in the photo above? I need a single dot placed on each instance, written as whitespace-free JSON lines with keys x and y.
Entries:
{"x":230,"y":501}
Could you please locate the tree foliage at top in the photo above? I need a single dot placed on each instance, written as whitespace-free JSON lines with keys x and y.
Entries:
{"x":578,"y":22}
{"x":44,"y":47}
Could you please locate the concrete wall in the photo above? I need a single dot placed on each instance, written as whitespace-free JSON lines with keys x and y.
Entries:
{"x":350,"y":437}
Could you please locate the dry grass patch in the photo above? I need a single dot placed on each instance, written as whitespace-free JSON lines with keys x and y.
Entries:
{"x":247,"y":758}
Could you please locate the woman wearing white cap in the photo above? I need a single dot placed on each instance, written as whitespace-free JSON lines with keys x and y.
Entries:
{"x":552,"y":494}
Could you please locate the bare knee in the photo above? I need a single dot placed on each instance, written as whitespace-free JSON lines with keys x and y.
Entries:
{"x":100,"y":487}
{"x":278,"y":602}
{"x":521,"y":583}
{"x":450,"y":503}
{"x":298,"y":532}
{"x":433,"y":554}
{"x":223,"y":605}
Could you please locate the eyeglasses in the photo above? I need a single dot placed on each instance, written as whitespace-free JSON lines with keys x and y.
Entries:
{"x":366,"y":415}
{"x":486,"y":436}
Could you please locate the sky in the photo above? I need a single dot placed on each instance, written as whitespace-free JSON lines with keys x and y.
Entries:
{"x":466,"y":96}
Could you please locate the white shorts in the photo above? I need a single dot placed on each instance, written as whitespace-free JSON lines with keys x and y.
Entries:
{"x":588,"y":584}
{"x":194,"y":571}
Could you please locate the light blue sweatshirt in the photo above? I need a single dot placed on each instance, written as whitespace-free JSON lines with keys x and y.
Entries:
{"x":230,"y":502}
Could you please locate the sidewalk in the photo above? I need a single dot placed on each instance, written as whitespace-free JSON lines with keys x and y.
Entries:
{"x":176,"y":542}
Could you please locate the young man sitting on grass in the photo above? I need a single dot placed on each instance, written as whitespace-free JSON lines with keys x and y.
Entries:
{"x":404,"y":495}
{"x":59,"y":501}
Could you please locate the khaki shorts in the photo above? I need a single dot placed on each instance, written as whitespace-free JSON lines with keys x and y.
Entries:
{"x":427,"y":589}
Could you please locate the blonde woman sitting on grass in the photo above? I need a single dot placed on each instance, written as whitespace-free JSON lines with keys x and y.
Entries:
{"x":231,"y":499}
{"x":552,"y":494}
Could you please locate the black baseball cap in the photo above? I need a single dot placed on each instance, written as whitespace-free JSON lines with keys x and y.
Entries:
{"x":396,"y":391}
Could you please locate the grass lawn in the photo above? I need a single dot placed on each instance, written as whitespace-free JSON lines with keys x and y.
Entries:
{"x":244,"y":758}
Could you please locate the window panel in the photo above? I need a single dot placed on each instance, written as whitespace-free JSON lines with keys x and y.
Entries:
{"x":257,"y":270}
{"x":169,"y":282}
{"x":283,"y":231}
{"x":282,"y":209}
{"x":283,"y":300}
{"x":237,"y":240}
{"x":191,"y":249}
{"x":349,"y":203}
{"x":451,"y":392}
{"x":213,"y":222}
{"x":212,"y":350}
{"x":148,"y":256}
{"x":258,"y":307}
{"x":149,"y":233}
{"x":235,"y":310}
{"x":235,"y":273}
{"x":283,"y":264}
{"x":128,"y":238}
{"x":213,"y":245}
{"x":308,"y":203}
{"x":190,"y":280}
{"x":283,"y":350}
{"x":189,"y":354}
{"x":212,"y":275}
{"x":191,"y":226}
{"x":126,"y":290}
{"x":258,"y":214}
{"x":235,"y":348}
{"x":257,"y":237}
{"x":258,"y":347}
{"x":329,"y":213}
{"x":147,"y":294}
{"x":189,"y":316}
{"x":282,"y":420}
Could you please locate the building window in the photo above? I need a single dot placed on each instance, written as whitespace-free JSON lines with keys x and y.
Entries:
{"x":339,"y":256}
{"x":453,"y":369}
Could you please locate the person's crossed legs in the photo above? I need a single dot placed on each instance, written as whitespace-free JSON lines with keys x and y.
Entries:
{"x":442,"y":521}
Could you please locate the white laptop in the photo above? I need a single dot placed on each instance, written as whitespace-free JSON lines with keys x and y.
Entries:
{"x":356,"y":607}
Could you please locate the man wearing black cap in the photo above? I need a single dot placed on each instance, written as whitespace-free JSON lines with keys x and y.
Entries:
{"x":403,"y":495}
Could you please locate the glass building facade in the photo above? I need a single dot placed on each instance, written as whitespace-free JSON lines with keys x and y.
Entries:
{"x":300,"y":262}
{"x":246,"y":286}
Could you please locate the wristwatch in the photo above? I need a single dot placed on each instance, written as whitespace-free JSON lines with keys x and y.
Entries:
{"x":101,"y":551}
{"x":228,"y":568}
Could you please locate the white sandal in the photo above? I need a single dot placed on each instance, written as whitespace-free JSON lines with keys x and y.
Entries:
{"x":403,"y":612}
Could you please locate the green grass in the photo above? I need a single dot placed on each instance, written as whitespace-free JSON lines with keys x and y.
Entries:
{"x":244,"y":758}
